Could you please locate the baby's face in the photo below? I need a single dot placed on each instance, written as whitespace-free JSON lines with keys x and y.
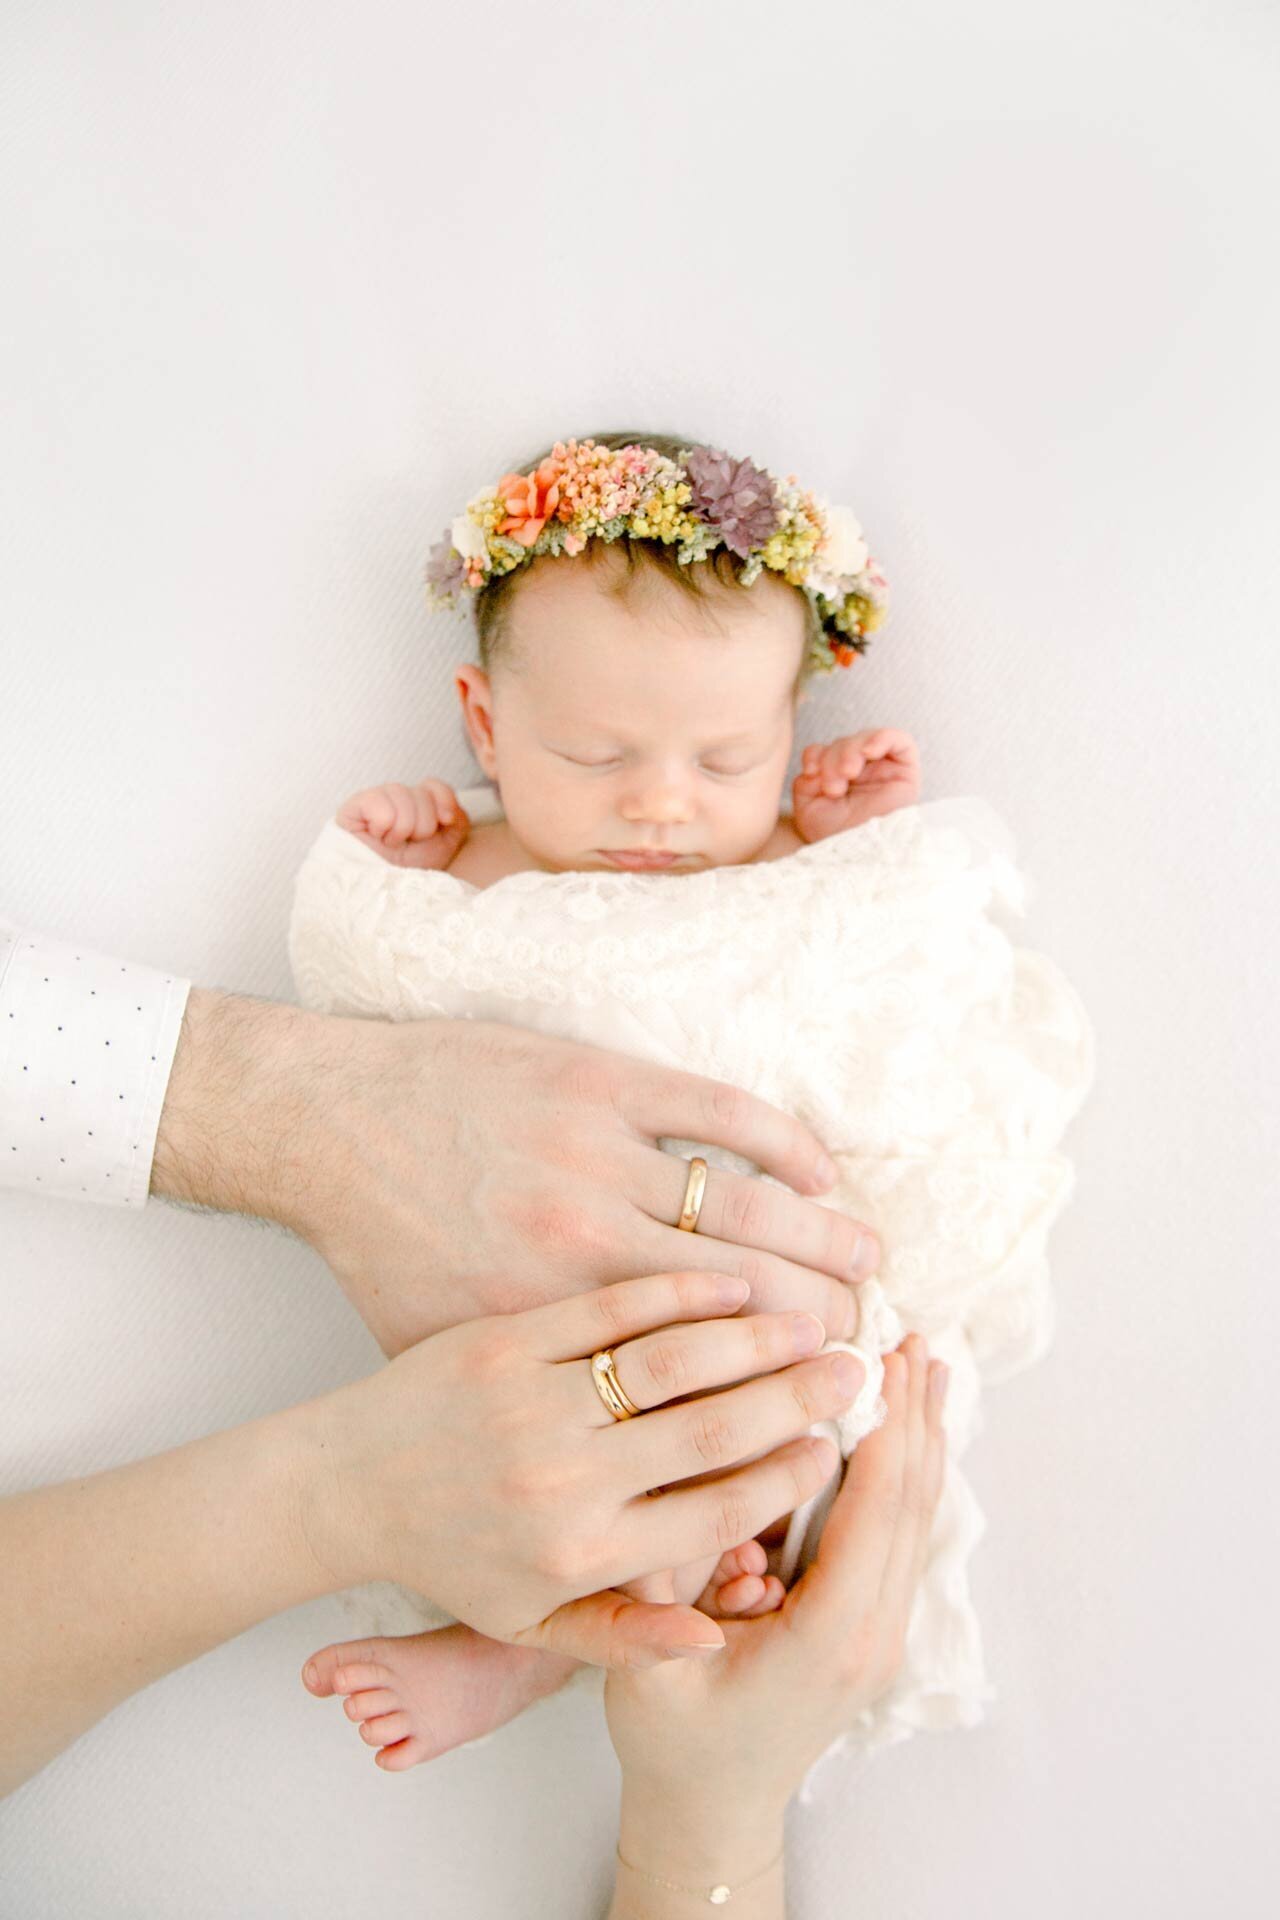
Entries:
{"x":650,"y":734}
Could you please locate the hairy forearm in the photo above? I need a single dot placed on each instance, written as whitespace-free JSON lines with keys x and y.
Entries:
{"x":237,"y":1127}
{"x":109,"y":1582}
{"x":695,"y":1843}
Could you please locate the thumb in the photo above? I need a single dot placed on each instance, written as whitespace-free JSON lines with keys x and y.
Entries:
{"x":610,"y":1630}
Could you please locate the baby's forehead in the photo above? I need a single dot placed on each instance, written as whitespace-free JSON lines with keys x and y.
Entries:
{"x":640,"y":701}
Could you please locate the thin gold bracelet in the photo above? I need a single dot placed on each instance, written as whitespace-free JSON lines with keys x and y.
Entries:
{"x":717,"y":1896}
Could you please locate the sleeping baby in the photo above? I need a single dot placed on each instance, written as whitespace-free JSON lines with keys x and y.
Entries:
{"x":630,"y":879}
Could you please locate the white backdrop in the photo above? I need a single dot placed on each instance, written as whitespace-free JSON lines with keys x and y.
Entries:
{"x":283,"y":285}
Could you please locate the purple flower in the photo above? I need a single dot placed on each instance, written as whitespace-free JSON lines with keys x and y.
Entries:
{"x":446,"y":567}
{"x":733,"y":496}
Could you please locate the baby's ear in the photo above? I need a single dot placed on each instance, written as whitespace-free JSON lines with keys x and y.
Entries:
{"x":475,"y":693}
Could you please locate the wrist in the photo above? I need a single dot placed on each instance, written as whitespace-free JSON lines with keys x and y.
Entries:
{"x":236,"y":1127}
{"x":696,"y":1835}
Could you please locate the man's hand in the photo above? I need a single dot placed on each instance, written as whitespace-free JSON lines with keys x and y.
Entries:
{"x":446,"y":1169}
{"x":853,"y":779}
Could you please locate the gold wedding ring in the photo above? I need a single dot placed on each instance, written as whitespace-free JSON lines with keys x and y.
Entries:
{"x":695,"y":1187}
{"x":609,"y":1387}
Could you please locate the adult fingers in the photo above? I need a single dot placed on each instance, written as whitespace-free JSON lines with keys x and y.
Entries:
{"x":689,"y":1523}
{"x":776,"y":1286}
{"x":844,"y":1582}
{"x":580,"y":1326}
{"x":679,"y":1360}
{"x":721,"y":1429}
{"x":898,"y":1583}
{"x":935,"y":1453}
{"x":664,"y":1102}
{"x":749,"y":1213}
{"x":609,"y":1630}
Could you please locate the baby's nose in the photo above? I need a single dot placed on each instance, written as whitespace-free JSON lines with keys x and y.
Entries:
{"x":665,"y":804}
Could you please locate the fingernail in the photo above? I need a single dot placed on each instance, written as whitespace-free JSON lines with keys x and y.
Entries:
{"x":866,"y":1256}
{"x":807,"y":1333}
{"x":848,"y":1375}
{"x":825,"y":1171}
{"x":698,"y":1647}
{"x":309,"y":1673}
{"x":732,"y":1290}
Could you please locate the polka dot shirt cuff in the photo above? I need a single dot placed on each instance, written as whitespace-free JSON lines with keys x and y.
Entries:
{"x":86,"y":1046}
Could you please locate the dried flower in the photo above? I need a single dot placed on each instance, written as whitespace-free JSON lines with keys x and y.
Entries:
{"x":734,"y":496}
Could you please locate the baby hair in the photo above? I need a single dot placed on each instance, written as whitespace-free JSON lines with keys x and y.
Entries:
{"x":493,"y":601}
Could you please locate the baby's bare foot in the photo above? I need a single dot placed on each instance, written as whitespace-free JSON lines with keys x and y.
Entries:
{"x":420,"y":1695}
{"x":740,"y":1588}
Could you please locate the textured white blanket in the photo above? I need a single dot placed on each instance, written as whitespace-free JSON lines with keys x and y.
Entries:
{"x":860,"y":984}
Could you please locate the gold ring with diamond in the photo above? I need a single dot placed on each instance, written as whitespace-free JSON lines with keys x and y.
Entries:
{"x":609,"y":1387}
{"x":695,"y":1187}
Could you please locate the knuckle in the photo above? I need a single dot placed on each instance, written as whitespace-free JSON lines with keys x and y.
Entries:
{"x":732,"y":1520}
{"x":667,"y":1364}
{"x":757,"y":1270}
{"x":803,"y":1383}
{"x":548,"y":1223}
{"x":613,"y":1313}
{"x":490,"y":1356}
{"x":711,"y":1436}
{"x":728,"y":1106}
{"x":567,"y":1559}
{"x":748,"y":1211}
{"x":520,"y":1484}
{"x":583,"y":1080}
{"x":766,"y":1341}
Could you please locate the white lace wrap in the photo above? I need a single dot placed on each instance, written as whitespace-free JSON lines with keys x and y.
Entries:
{"x":858,"y":984}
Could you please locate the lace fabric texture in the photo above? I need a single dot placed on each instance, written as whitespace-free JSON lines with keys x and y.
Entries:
{"x":860,"y":984}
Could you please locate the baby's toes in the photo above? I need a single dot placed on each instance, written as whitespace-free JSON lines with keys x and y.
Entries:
{"x":361,"y":1674}
{"x":771,"y":1597}
{"x":386,"y":1728}
{"x":319,"y":1675}
{"x":750,"y":1557}
{"x":405,"y":1753}
{"x":738,"y":1596}
{"x":374,"y":1700}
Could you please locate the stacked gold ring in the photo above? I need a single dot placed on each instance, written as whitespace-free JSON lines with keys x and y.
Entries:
{"x":695,"y":1187}
{"x":609,"y":1387}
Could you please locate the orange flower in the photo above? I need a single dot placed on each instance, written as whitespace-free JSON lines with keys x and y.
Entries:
{"x":530,"y":499}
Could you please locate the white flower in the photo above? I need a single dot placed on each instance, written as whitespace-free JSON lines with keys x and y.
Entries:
{"x":845,"y":551}
{"x":468,"y":538}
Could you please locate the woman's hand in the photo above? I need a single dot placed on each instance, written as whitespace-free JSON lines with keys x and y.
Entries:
{"x":711,"y":1751}
{"x":483,"y":1468}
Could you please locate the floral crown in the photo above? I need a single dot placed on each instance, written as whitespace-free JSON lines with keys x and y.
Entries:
{"x":583,"y":491}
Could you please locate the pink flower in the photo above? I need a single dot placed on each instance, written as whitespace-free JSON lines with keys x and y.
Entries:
{"x":530,"y":499}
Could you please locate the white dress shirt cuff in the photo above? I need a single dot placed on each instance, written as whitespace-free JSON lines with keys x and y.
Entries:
{"x":86,"y":1046}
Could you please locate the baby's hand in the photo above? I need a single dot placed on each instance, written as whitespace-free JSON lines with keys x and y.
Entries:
{"x":853,"y":779}
{"x":422,"y":826}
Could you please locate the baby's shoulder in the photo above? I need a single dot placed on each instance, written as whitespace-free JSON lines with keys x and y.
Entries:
{"x":490,"y":852}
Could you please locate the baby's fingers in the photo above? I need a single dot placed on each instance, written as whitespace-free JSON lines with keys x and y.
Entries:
{"x":441,"y":800}
{"x":404,"y":815}
{"x":370,"y":812}
{"x":841,"y":764}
